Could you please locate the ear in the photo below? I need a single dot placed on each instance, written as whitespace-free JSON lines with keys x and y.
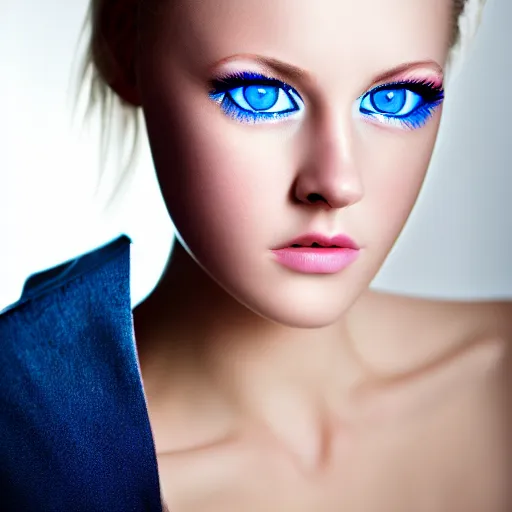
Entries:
{"x":114,"y":45}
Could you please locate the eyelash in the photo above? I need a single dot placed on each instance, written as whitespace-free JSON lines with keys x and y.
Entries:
{"x":430,"y":97}
{"x":222,"y":90}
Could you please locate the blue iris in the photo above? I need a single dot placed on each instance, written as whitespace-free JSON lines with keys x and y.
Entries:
{"x":408,"y":104}
{"x":389,"y":102}
{"x":261,"y":97}
{"x":253,"y":98}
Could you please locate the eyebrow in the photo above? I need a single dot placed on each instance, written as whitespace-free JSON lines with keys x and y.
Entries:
{"x":402,"y":68}
{"x":296,"y":73}
{"x":271,"y":64}
{"x":282,"y":67}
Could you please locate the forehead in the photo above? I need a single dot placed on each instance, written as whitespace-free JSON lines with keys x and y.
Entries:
{"x":332,"y":34}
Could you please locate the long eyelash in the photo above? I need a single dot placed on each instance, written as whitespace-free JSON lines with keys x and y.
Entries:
{"x":431,"y":92}
{"x":418,"y":118}
{"x":243,"y":78}
{"x":245,"y":116}
{"x":221,"y":86}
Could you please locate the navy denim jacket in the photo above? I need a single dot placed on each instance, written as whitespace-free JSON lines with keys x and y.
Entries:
{"x":74,"y":430}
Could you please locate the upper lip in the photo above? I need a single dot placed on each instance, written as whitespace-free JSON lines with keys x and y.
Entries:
{"x":341,"y":241}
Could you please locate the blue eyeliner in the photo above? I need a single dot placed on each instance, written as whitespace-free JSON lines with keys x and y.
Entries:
{"x":251,"y":98}
{"x":408,"y":103}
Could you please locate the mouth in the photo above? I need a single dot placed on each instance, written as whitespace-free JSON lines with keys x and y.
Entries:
{"x":316,"y":246}
{"x":317,"y":254}
{"x":318,"y":241}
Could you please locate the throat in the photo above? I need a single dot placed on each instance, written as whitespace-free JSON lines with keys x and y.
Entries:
{"x":304,"y":434}
{"x":280,"y":380}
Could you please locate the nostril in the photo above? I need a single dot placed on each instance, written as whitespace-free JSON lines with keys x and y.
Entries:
{"x":315,"y":198}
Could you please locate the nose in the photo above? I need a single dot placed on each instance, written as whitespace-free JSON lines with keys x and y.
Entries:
{"x":330,"y":176}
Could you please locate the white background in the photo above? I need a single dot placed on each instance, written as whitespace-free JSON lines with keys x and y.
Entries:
{"x":457,"y":244}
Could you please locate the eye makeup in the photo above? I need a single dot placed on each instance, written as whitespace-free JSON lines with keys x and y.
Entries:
{"x":404,"y":104}
{"x":250,"y":98}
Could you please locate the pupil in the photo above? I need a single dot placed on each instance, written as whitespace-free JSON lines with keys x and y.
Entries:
{"x":389,"y":102}
{"x":261,"y":97}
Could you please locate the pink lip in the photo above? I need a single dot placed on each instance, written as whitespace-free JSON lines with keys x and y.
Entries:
{"x":328,"y":256}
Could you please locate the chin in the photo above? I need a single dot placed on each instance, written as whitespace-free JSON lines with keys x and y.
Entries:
{"x":283,"y":297}
{"x":306,"y":319}
{"x":307,"y":309}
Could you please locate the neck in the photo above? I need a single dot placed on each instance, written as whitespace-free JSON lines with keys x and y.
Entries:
{"x":208,"y":361}
{"x":191,"y":325}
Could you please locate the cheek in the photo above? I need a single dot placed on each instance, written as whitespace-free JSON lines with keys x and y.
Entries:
{"x":231,"y":183}
{"x":397,"y":171}
{"x":218,"y":178}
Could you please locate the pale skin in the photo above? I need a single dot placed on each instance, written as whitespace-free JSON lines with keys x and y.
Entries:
{"x":272,"y":390}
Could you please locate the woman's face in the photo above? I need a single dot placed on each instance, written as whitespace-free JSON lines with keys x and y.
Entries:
{"x":274,"y":119}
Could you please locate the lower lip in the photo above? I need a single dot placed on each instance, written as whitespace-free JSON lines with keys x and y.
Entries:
{"x":310,"y":260}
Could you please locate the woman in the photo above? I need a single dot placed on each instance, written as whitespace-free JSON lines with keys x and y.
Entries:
{"x":290,"y":141}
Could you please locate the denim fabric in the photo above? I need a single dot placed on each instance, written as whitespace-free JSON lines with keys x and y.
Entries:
{"x":74,"y":430}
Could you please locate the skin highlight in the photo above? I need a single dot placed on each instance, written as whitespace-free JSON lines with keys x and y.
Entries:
{"x":251,"y":368}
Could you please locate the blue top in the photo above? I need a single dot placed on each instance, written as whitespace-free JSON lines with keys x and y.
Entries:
{"x":74,"y":429}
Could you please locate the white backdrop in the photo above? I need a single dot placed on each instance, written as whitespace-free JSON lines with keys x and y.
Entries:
{"x":458,"y":243}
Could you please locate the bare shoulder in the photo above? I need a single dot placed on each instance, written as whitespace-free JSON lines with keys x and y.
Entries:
{"x":459,"y":319}
{"x":415,"y":332}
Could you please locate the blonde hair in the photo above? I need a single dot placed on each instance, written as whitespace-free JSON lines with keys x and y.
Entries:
{"x":122,"y":120}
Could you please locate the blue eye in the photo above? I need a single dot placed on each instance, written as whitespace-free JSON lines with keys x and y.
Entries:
{"x":253,"y":98}
{"x":402,"y":104}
